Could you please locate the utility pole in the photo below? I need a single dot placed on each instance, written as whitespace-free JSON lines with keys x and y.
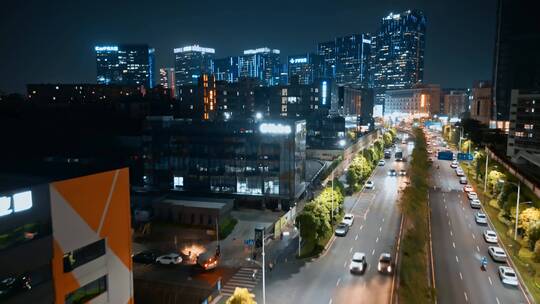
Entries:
{"x":299,"y":238}
{"x":517,"y":210}
{"x":332,"y":212}
{"x":486,"y":172}
{"x":263,"y":268}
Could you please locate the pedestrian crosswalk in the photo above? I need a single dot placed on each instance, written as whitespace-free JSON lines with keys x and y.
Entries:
{"x":244,"y":279}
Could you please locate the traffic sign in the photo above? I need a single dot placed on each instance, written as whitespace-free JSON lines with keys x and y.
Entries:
{"x":249,"y":242}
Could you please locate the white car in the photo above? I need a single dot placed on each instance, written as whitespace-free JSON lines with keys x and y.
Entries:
{"x":497,"y":254}
{"x":490,"y":236}
{"x":463,"y":180}
{"x":358,"y":263}
{"x":382,"y":162}
{"x":459,"y":172}
{"x":370,"y":185}
{"x":508,"y":276}
{"x":348,"y":219}
{"x":169,"y":259}
{"x":472,"y":195}
{"x":475,"y":204}
{"x":480,"y":218}
{"x":454,"y":164}
{"x":468,"y":188}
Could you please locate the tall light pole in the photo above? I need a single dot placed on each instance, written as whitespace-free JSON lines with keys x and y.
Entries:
{"x":517,"y":210}
{"x":486,"y":172}
{"x":332,"y":212}
{"x":263,"y":272}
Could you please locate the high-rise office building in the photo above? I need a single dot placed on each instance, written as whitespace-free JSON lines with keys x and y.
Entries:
{"x":262,"y":63}
{"x":481,"y":102}
{"x":191,"y":62}
{"x":327,"y":51}
{"x":167,"y":79}
{"x":517,"y":59}
{"x":303,"y":68}
{"x":226,"y":68}
{"x":353,"y":54}
{"x":125,"y":64}
{"x":398,"y":52}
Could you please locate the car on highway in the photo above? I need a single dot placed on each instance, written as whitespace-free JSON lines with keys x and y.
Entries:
{"x":475,"y":204}
{"x":348,"y":219}
{"x":169,"y":259}
{"x":429,"y":151}
{"x":402,"y":172}
{"x":463,"y":180}
{"x":454,"y":164}
{"x":472,"y":195}
{"x":382,"y":162}
{"x":490,"y":236}
{"x":385,"y":263}
{"x":392,"y":172}
{"x":497,"y":254}
{"x":480,"y":218}
{"x":508,"y":276}
{"x":468,"y":188}
{"x":370,"y":185}
{"x":358,"y":263}
{"x":342,"y":229}
{"x":145,"y":257}
{"x":460,"y":172}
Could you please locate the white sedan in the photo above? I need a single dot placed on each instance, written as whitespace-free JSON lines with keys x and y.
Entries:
{"x":370,"y":185}
{"x":459,"y":172}
{"x":508,"y":276}
{"x":169,"y":259}
{"x":480,"y":218}
{"x":497,"y":254}
{"x":348,"y":219}
{"x":475,"y":204}
{"x":358,"y":263}
{"x":490,"y":236}
{"x":472,"y":195}
{"x":382,"y":162}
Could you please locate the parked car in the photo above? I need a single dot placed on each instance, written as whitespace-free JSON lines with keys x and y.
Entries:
{"x":342,"y":229}
{"x":472,"y":195}
{"x":169,"y":259}
{"x":358,"y":263}
{"x":490,"y":236}
{"x":145,"y":257}
{"x":480,"y":218}
{"x":385,"y":263}
{"x":370,"y":185}
{"x":508,"y":276}
{"x":475,"y":204}
{"x":497,"y":254}
{"x":348,"y":219}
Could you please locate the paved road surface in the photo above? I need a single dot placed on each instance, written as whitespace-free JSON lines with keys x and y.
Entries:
{"x":458,"y":246}
{"x":327,"y":279}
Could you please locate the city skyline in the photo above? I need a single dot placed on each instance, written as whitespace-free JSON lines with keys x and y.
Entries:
{"x":467,"y":42}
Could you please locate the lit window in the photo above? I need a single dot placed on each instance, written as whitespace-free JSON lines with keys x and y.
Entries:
{"x":528,"y":126}
{"x":178,"y":181}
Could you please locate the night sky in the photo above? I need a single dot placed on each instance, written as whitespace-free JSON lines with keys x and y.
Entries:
{"x":52,"y":41}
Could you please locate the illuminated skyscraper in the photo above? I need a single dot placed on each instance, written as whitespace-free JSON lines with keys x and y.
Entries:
{"x":127,"y":64}
{"x":226,"y":69}
{"x":353,"y":53}
{"x":327,"y":51}
{"x":262,"y":63}
{"x":398,"y":52}
{"x":304,"y":68}
{"x":191,"y":62}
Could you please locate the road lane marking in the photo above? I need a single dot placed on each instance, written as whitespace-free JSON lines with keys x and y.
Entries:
{"x":490,"y":282}
{"x":356,"y":237}
{"x":477,"y":248}
{"x":461,"y":276}
{"x":350,"y":250}
{"x":373,"y":252}
{"x":383,"y":219}
{"x":457,"y":259}
{"x":453,"y":244}
{"x":497,"y":300}
{"x":466,"y":298}
{"x":330,"y":302}
{"x":445,"y":207}
{"x":469,"y":225}
{"x":447,"y":214}
{"x":444,"y":200}
{"x":377,"y":240}
{"x":338,"y":280}
{"x":361,"y":227}
{"x":473,"y":236}
{"x":345,"y":264}
{"x":451,"y":234}
{"x":380,"y":229}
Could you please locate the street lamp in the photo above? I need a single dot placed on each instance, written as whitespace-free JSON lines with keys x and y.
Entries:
{"x":262,"y":266}
{"x":518,"y":185}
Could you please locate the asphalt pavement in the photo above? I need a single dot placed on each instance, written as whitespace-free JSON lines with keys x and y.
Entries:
{"x":458,"y":246}
{"x":327,"y":279}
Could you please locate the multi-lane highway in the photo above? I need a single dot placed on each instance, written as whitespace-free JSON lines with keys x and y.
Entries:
{"x":375,"y":230}
{"x":458,"y":246}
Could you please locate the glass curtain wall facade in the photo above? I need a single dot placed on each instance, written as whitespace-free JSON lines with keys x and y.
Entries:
{"x":353,"y":53}
{"x":191,"y":62}
{"x":125,"y":64}
{"x":262,"y":63}
{"x":226,"y":69}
